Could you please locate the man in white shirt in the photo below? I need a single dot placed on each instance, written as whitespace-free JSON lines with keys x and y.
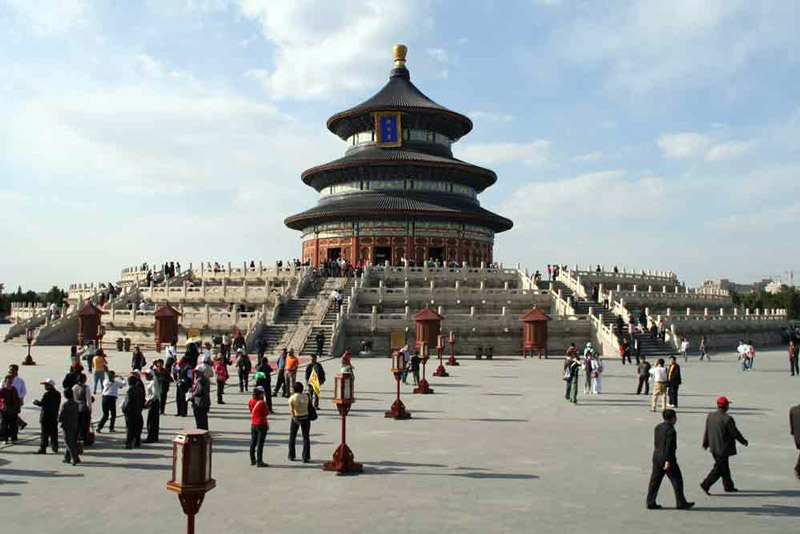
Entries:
{"x":659,"y":374}
{"x":685,"y":349}
{"x":108,"y":402}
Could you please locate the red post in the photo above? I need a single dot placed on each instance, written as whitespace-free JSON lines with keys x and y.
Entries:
{"x":423,"y":387}
{"x":398,"y":409}
{"x":440,"y":371}
{"x":452,"y":360}
{"x":189,"y":523}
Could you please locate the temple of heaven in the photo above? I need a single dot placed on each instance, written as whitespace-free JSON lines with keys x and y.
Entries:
{"x":398,"y":194}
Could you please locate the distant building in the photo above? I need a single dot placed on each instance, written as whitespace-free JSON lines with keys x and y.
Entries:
{"x":774,"y":287}
{"x":714,"y":285}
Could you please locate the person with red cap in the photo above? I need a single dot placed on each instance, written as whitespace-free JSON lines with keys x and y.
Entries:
{"x":48,"y":418}
{"x":721,"y":436}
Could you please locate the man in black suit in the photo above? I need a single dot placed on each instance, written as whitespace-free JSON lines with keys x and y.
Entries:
{"x":673,"y":382}
{"x":721,"y":436}
{"x":794,"y":426}
{"x":665,"y":462}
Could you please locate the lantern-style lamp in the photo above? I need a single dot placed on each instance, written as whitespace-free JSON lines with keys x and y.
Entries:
{"x":343,"y":461}
{"x":423,"y":387}
{"x":101,"y":331}
{"x":398,"y":409}
{"x":30,"y":334}
{"x":191,"y":471}
{"x":452,"y":339}
{"x":440,"y":371}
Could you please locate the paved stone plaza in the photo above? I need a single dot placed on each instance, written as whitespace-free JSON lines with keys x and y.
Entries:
{"x":495,"y":449}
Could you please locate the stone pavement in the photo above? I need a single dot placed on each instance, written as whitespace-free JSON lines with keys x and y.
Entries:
{"x":495,"y":449}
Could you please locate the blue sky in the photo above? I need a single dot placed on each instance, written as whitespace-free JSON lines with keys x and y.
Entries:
{"x":650,"y":134}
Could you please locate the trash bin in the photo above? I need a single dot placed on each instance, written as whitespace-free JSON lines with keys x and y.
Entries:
{"x":478,"y":352}
{"x":127,"y":344}
{"x":489,"y":352}
{"x":119,"y":344}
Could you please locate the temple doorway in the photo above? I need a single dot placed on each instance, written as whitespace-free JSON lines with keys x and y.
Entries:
{"x":436,"y":254}
{"x":382,"y":255}
{"x":334,"y":253}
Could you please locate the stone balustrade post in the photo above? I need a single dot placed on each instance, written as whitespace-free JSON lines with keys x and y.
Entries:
{"x":669,"y":312}
{"x":757,"y":312}
{"x":440,"y":310}
{"x":591,"y":311}
{"x":722,"y":312}
{"x":647,"y":312}
{"x":432,"y":285}
{"x":635,"y":288}
{"x":688,"y":312}
{"x":208,"y":314}
{"x":185,"y":288}
{"x":225,"y":286}
{"x":244,"y":287}
{"x":664,"y":289}
{"x":505,"y":285}
{"x":503,"y":311}
{"x":705,"y":312}
{"x":483,"y":286}
{"x":736,"y":312}
{"x":649,"y":288}
{"x":407,"y":313}
{"x":747,"y":311}
{"x":373,"y":319}
{"x":472,"y":311}
{"x":133,"y":312}
{"x":203,"y":287}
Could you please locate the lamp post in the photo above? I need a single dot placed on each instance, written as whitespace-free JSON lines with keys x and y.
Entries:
{"x":452,"y":339}
{"x":423,"y":387}
{"x":101,"y":331}
{"x":440,"y":371}
{"x":398,"y":410}
{"x":343,"y":396}
{"x":191,"y":472}
{"x":29,"y":335}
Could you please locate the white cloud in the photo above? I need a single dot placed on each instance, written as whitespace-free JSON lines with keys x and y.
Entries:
{"x":46,"y":17}
{"x":730,"y":150}
{"x":330,"y":46}
{"x":489,"y":116}
{"x":684,"y":145}
{"x":595,"y":155}
{"x":149,"y":65}
{"x":655,"y":45}
{"x":532,"y":154}
{"x":439,"y":54}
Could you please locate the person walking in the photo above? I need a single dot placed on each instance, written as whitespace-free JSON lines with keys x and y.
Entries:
{"x":643,"y":372}
{"x":665,"y":462}
{"x":108,"y":401}
{"x":298,"y":406}
{"x":263,"y":378}
{"x":311,"y":369}
{"x":794,"y":351}
{"x":99,"y":366}
{"x":138,"y":361}
{"x":162,"y":375}
{"x":243,"y":367}
{"x":201,"y":398}
{"x":673,"y":382}
{"x":10,"y":406}
{"x":290,"y":370}
{"x":259,"y":426}
{"x":415,"y":361}
{"x":280,"y":381}
{"x":574,"y":374}
{"x":48,"y":418}
{"x":659,"y":374}
{"x":702,"y":349}
{"x":221,"y":372}
{"x":152,"y":401}
{"x":794,"y":429}
{"x":684,"y":350}
{"x":132,"y":408}
{"x":83,"y":396}
{"x":69,"y":426}
{"x":597,"y":374}
{"x":19,"y":384}
{"x":182,"y":387}
{"x":320,"y":341}
{"x":588,"y":356}
{"x":720,"y":437}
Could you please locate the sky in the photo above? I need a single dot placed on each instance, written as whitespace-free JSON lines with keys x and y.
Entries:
{"x":656,"y":135}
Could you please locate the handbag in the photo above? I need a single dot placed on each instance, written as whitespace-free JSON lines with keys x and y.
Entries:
{"x":312,"y":412}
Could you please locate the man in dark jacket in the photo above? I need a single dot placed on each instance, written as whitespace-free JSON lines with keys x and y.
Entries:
{"x":310,"y":368}
{"x":794,"y":427}
{"x":49,"y":403}
{"x":69,"y":425}
{"x":673,"y":382}
{"x":201,"y":399}
{"x":320,"y":340}
{"x":132,"y":408}
{"x":643,"y":373}
{"x":665,"y":462}
{"x":721,"y":436}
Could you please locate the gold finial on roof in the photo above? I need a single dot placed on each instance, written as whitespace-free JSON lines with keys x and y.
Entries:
{"x":400,"y":55}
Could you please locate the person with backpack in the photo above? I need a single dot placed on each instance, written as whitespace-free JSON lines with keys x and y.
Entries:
{"x":243,"y":367}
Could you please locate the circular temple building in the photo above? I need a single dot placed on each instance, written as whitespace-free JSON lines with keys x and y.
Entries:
{"x":398,"y":193}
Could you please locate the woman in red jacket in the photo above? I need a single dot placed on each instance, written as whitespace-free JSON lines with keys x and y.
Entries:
{"x":258,"y":427}
{"x":221,"y":370}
